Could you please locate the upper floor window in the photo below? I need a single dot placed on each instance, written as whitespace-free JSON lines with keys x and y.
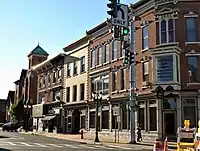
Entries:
{"x":56,"y":95}
{"x":99,"y":59}
{"x":123,"y":79}
{"x":193,"y":68}
{"x":114,"y":81}
{"x":68,"y":94}
{"x":191,"y":29}
{"x":107,"y":53}
{"x":69,"y":69}
{"x":75,"y":93}
{"x":75,"y":67}
{"x":59,"y":73}
{"x":164,"y":68}
{"x":82,"y":91}
{"x":122,"y":50}
{"x":145,"y":43}
{"x":145,"y":71}
{"x":92,"y":58}
{"x":100,"y":84}
{"x":167,"y":33}
{"x":54,"y":77}
{"x":83,"y":64}
{"x":114,"y":55}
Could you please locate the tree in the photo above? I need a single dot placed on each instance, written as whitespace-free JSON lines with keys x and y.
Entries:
{"x":17,"y":110}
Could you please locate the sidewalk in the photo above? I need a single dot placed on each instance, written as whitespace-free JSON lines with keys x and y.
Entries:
{"x":88,"y":139}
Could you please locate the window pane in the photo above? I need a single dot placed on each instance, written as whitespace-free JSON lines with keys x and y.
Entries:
{"x":105,"y":117}
{"x":163,"y":37}
{"x":171,"y":36}
{"x":145,"y":32}
{"x":190,"y":114}
{"x":163,"y":25}
{"x":93,"y":58}
{"x":145,"y":43}
{"x":193,"y":68}
{"x":107,"y":56}
{"x":165,"y":68}
{"x":115,"y":49}
{"x":170,"y":25}
{"x":191,"y":29}
{"x":153,"y":119}
{"x":141,"y":118}
{"x":92,"y":120}
{"x":99,"y":56}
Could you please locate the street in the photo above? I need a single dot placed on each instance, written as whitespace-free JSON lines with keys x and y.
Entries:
{"x":13,"y":141}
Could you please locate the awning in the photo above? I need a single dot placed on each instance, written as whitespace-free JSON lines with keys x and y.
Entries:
{"x":48,"y":118}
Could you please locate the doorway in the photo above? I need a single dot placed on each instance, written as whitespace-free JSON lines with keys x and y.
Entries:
{"x":76,"y":121}
{"x":169,"y":124}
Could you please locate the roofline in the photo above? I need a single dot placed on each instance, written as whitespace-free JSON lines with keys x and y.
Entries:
{"x":138,"y":4}
{"x":96,"y":28}
{"x":70,"y":46}
{"x":16,"y":81}
{"x":48,"y":60}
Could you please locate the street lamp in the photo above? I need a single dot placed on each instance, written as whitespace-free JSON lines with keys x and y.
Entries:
{"x":97,"y":100}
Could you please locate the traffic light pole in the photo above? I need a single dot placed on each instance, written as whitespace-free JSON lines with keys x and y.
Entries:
{"x":132,"y":88}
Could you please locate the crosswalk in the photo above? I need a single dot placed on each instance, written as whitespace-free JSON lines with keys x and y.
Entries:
{"x":73,"y":146}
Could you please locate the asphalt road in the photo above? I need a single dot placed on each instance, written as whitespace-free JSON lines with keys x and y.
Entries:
{"x":13,"y":141}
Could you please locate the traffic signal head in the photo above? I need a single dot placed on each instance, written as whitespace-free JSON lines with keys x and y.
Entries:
{"x":125,"y":31}
{"x":126,"y":44}
{"x":113,"y":8}
{"x":126,"y":57}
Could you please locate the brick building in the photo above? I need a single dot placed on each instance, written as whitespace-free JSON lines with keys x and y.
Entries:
{"x":166,"y":45}
{"x":9,"y":102}
{"x":3,"y":110}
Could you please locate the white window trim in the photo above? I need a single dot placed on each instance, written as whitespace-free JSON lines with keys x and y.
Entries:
{"x":100,"y":56}
{"x":107,"y":53}
{"x":92,"y":59}
{"x":114,"y":50}
{"x":167,"y":31}
{"x":191,"y":42}
{"x":174,"y":69}
{"x":144,"y":38}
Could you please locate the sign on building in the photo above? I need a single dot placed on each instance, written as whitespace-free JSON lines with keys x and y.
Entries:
{"x":37,"y":110}
{"x":122,"y":17}
{"x":116,"y":111}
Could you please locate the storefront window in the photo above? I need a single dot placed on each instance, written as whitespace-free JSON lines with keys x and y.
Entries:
{"x":190,"y":111}
{"x":105,"y":119}
{"x":153,"y":119}
{"x":92,"y":119}
{"x":82,"y":121}
{"x":124,"y":117}
{"x":141,"y":114}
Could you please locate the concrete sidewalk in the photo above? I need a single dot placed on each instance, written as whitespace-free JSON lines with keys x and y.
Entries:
{"x":88,"y":139}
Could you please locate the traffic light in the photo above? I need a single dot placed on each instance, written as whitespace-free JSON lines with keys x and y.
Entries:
{"x":125,"y":31}
{"x":116,"y":32}
{"x":113,"y":6}
{"x":129,"y":57}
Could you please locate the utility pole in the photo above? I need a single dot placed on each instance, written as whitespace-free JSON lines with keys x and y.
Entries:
{"x":132,"y":88}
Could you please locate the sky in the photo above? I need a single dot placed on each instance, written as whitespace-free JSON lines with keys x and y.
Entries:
{"x":52,"y":23}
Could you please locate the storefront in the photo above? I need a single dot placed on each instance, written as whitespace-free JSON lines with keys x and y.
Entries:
{"x":37,"y":114}
{"x":75,"y":117}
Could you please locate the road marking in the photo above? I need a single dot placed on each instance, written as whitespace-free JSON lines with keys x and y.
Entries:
{"x":121,"y":147}
{"x":104,"y":147}
{"x":40,"y":145}
{"x":25,"y":144}
{"x":87,"y":146}
{"x":54,"y":145}
{"x":11,"y":143}
{"x":72,"y":146}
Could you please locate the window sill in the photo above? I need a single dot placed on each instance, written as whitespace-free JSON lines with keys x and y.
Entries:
{"x":75,"y":74}
{"x":114,"y":92}
{"x":114,"y":60}
{"x":106,"y":63}
{"x":192,"y":43}
{"x":121,"y":58}
{"x":121,"y":91}
{"x":92,"y":68}
{"x":82,"y":72}
{"x":98,"y":65}
{"x":68,"y":76}
{"x":144,"y":49}
{"x":167,"y":44}
{"x":195,"y":83}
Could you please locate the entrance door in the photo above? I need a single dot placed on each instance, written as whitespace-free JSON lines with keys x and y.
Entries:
{"x":169,"y":124}
{"x":76,"y":122}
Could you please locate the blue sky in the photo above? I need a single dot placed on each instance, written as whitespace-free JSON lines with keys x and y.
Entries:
{"x":54,"y":23}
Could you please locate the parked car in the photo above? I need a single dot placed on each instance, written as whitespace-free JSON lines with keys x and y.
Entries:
{"x":10,"y":126}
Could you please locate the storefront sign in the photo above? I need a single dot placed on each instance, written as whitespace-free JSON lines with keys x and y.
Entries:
{"x":37,"y":110}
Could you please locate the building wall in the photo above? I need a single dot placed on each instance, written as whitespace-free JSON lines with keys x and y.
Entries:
{"x":80,"y":77}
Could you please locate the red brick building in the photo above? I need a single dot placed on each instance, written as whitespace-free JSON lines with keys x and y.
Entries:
{"x":166,"y":45}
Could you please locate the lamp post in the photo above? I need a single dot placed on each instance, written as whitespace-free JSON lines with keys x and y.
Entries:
{"x":97,"y":97}
{"x":27,"y":106}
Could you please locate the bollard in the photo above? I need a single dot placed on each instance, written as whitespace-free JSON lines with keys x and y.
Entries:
{"x":81,"y":134}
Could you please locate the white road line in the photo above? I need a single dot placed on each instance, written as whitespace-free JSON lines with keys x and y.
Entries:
{"x":25,"y":144}
{"x":121,"y":147}
{"x":104,"y":147}
{"x":72,"y":146}
{"x":54,"y":145}
{"x":87,"y":146}
{"x":40,"y":145}
{"x":10,"y":143}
